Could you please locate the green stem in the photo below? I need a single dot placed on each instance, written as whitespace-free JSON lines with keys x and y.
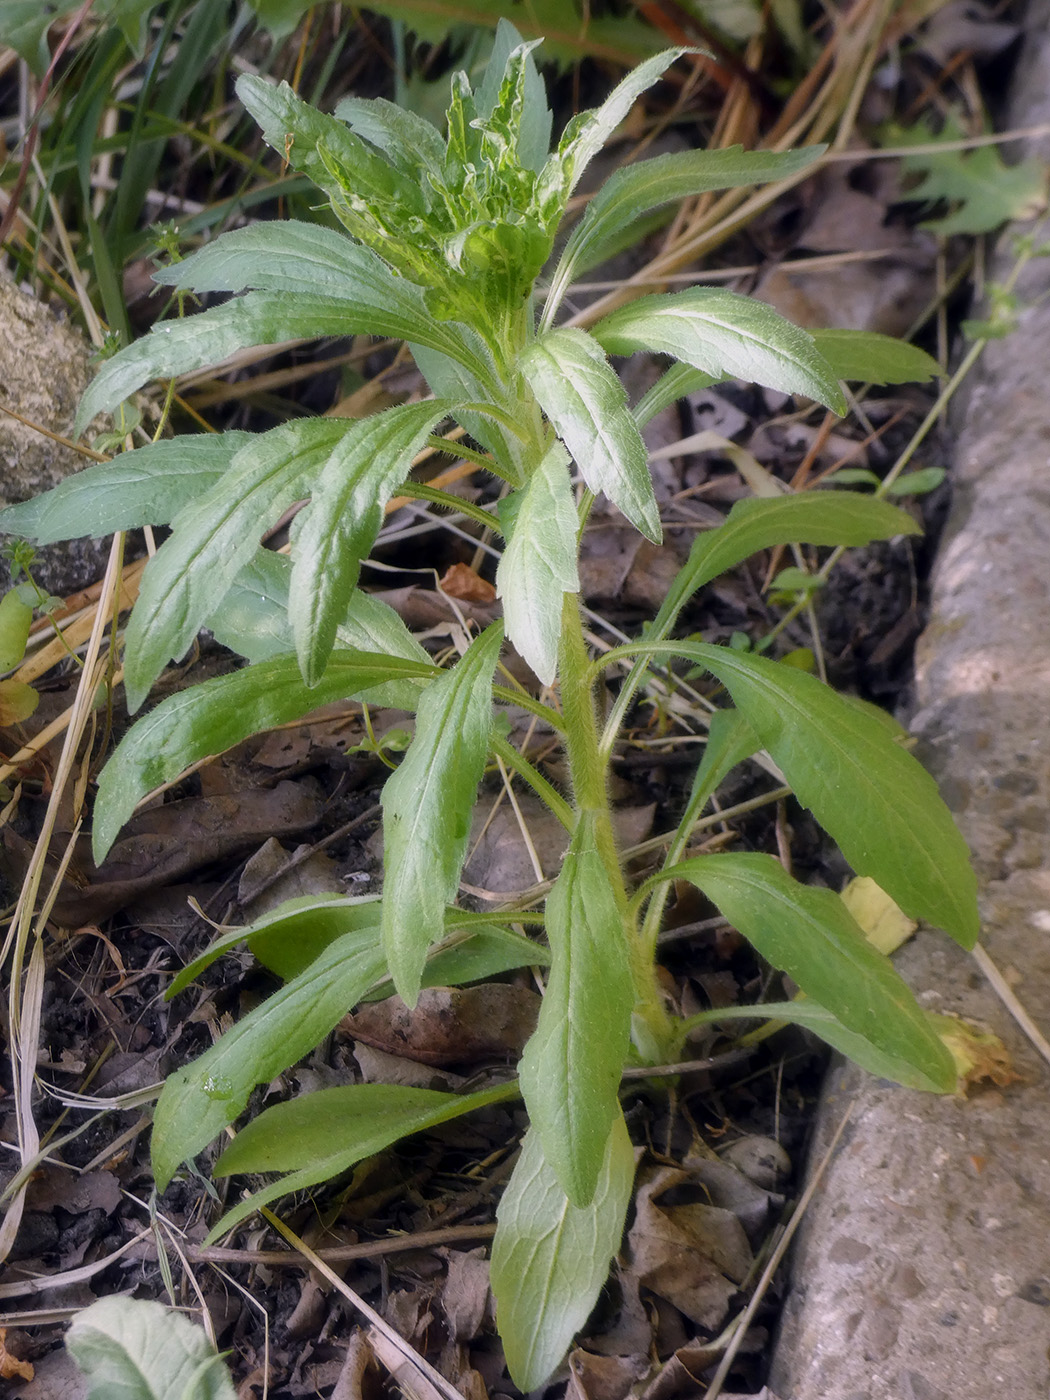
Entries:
{"x":654,"y":1030}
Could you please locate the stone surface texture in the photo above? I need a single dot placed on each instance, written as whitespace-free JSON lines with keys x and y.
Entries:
{"x":922,"y":1270}
{"x":45,"y":366}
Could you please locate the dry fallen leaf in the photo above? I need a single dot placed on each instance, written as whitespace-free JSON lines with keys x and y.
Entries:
{"x":461,"y":581}
{"x":10,"y":1366}
{"x":978,"y":1054}
{"x":450,"y":1025}
{"x":695,"y":1256}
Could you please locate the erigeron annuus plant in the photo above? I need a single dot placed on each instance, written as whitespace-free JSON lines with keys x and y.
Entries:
{"x":444,"y":241}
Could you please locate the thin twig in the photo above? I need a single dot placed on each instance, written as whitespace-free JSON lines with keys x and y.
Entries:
{"x":381,"y":1325}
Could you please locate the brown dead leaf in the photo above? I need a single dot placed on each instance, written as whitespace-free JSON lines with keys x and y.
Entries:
{"x":692,"y":1255}
{"x":11,"y":1366}
{"x":980,"y":1055}
{"x":450,"y":1025}
{"x":499,"y":861}
{"x":464,"y":583}
{"x":464,"y":1297}
{"x":163,"y":844}
{"x":593,"y":1377}
{"x":268,"y":879}
{"x":728,"y":1188}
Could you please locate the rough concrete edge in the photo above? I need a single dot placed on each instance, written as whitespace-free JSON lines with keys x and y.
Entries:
{"x":922,"y":1271}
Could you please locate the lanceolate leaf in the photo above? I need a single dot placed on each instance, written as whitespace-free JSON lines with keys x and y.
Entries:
{"x":535,"y":117}
{"x":635,"y":189}
{"x":392,"y":307}
{"x":673,"y":384}
{"x":874,"y":358}
{"x":285,"y":256}
{"x":317,"y":1136}
{"x":146,"y":487}
{"x":214,"y":537}
{"x":427,"y":806}
{"x":586,"y":134}
{"x":584,"y":399}
{"x":805,"y":1012}
{"x":550,"y":1258}
{"x":723,"y":333}
{"x":407,"y":140}
{"x":809,"y":934}
{"x":339,"y":526}
{"x":287,"y":939}
{"x":253,"y":621}
{"x":755,"y":524}
{"x":873,"y":797}
{"x":217,"y":714}
{"x":730,"y":740}
{"x":570,"y":1071}
{"x":539,"y":562}
{"x":298,"y":132}
{"x":199,"y":1100}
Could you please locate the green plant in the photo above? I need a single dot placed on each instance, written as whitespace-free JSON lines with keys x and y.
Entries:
{"x":140,"y":1350}
{"x":446,"y":242}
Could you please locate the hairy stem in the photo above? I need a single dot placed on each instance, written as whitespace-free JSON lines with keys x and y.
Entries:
{"x":653,"y":1027}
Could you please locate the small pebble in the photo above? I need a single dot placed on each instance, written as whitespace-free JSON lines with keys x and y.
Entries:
{"x":761,"y":1159}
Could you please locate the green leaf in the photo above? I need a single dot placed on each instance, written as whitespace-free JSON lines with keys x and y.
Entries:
{"x":199,"y":1100}
{"x":146,"y":487}
{"x":803,"y":1012}
{"x":723,"y":333}
{"x":388,"y":306}
{"x":811,"y":935}
{"x":338,"y":528}
{"x":586,"y":134}
{"x":15,"y":620}
{"x":634,"y":190}
{"x":327,"y":1132}
{"x":534,"y":117}
{"x":283,"y":256}
{"x":918,"y":483}
{"x":875,"y":359}
{"x":427,"y":806}
{"x":673,"y":384}
{"x":570,"y":1071}
{"x":136,"y":1349}
{"x":409,"y":141}
{"x":550,"y":1258}
{"x":585,"y":400}
{"x":985,"y":190}
{"x":213,"y":716}
{"x":850,"y":476}
{"x":823,"y":518}
{"x":489,"y":950}
{"x":287,"y":939}
{"x":303,"y":136}
{"x":253,"y":621}
{"x":730,"y":740}
{"x":214,"y":537}
{"x":874,"y":798}
{"x":754,"y":524}
{"x":538,"y":565}
{"x":449,"y":380}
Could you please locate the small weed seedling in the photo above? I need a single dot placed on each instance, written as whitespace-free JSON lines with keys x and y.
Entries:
{"x":444,"y":241}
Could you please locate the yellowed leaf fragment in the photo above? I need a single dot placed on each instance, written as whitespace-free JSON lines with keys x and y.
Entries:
{"x":884,"y":922}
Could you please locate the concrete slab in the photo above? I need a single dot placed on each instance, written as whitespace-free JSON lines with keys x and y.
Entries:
{"x":922,"y":1271}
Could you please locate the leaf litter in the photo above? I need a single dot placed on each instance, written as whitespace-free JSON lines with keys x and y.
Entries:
{"x":713,"y":1177}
